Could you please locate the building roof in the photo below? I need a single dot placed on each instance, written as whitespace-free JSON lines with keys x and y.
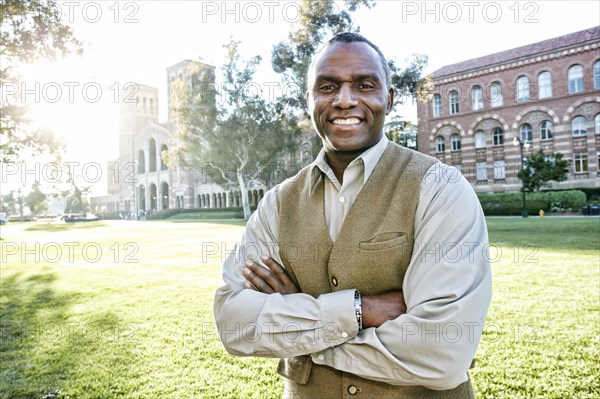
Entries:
{"x":519,"y":52}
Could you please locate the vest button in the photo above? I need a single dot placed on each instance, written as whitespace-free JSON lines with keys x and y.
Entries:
{"x":352,"y":390}
{"x":334,"y":282}
{"x":342,"y":200}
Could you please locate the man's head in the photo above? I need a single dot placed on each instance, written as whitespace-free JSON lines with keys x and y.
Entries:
{"x":349,"y":93}
{"x":351,"y":37}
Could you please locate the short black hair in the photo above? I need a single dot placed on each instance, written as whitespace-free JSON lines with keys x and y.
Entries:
{"x":351,"y":37}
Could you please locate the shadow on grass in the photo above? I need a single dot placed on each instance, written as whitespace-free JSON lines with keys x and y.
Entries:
{"x":44,"y":350}
{"x":65,"y":226}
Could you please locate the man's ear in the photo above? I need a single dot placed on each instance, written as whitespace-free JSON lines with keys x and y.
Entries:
{"x":307,"y":99}
{"x":390,"y":104}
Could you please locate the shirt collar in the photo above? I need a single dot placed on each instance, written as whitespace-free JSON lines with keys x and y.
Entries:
{"x":369,"y":159}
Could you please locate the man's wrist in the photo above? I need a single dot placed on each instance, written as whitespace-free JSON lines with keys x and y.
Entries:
{"x":358,"y":309}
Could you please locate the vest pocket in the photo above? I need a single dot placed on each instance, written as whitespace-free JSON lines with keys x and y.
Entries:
{"x":383,"y":241}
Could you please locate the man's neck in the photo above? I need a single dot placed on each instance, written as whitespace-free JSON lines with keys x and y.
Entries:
{"x":339,"y":161}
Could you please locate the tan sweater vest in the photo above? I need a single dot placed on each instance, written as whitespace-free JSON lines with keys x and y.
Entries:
{"x":372,"y":253}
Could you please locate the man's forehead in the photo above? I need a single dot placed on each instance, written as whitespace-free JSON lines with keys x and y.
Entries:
{"x":357,"y":57}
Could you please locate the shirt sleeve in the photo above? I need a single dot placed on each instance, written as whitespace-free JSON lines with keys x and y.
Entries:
{"x":251,"y":323}
{"x":447,"y":289}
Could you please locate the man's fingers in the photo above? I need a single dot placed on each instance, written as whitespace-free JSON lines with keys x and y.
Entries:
{"x":256,"y":280}
{"x":278,"y":270}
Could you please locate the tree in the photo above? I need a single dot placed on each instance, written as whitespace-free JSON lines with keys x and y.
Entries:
{"x":29,"y":30}
{"x":36,"y":200}
{"x":401,"y":132}
{"x":539,"y":169}
{"x":239,"y":143}
{"x":319,"y":20}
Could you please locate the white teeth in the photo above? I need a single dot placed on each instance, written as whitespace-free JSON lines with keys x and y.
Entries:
{"x":349,"y":121}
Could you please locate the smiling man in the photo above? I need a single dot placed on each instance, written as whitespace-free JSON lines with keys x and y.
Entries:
{"x":367,"y":273}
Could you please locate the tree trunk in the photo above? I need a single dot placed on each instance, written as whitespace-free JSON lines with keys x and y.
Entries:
{"x":244,"y":191}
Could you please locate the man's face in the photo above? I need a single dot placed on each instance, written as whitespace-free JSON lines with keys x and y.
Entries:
{"x":347,"y":97}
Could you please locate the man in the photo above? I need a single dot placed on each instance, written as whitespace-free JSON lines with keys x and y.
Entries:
{"x":367,"y":273}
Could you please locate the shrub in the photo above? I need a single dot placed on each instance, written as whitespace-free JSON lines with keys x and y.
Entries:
{"x":504,"y":204}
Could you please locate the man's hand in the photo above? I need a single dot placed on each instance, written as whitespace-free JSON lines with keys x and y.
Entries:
{"x":377,"y":309}
{"x":271,"y":280}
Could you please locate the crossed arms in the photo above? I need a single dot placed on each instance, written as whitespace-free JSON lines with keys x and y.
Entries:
{"x":426,"y":334}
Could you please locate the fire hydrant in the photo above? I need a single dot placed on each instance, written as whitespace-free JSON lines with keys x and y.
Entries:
{"x":542,"y":213}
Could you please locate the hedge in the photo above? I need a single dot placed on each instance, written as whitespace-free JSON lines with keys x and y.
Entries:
{"x":504,"y":204}
{"x":167,"y":213}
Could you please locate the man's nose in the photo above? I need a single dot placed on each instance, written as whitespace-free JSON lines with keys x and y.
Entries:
{"x":345,"y":97}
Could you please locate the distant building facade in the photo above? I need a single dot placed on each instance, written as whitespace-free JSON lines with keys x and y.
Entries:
{"x":545,"y":94}
{"x":139,"y":181}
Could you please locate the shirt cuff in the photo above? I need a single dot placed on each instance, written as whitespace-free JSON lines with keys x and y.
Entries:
{"x":338,"y":316}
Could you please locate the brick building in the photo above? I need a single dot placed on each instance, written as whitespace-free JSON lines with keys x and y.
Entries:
{"x":546,"y":94}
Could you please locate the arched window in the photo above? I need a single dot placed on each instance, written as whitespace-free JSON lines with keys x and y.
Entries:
{"x":455,"y":142}
{"x":454,"y":102}
{"x":575,"y":79}
{"x":163,"y":151}
{"x":546,"y":130}
{"x":522,"y":89}
{"x":597,"y":123}
{"x":578,"y":126}
{"x":496,"y":94}
{"x":141,"y":162}
{"x":437,"y":105}
{"x":164,"y":195}
{"x":498,"y":137}
{"x":152,"y":156}
{"x":480,"y":139}
{"x":526,"y":133}
{"x":440,"y":144}
{"x":597,"y":75}
{"x":477,"y":98}
{"x":544,"y":85}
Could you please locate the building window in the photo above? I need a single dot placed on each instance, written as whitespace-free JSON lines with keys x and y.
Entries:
{"x":477,"y":98}
{"x":499,"y":170}
{"x":597,"y":75}
{"x":597,"y":123}
{"x":480,"y":139}
{"x":141,"y":162}
{"x":481,"y":171}
{"x":546,"y":130}
{"x":526,"y":133}
{"x":152,"y":156}
{"x":437,"y":105}
{"x":575,"y":79}
{"x":455,"y":142}
{"x":498,"y":136}
{"x":523,"y":89}
{"x":496,"y":94}
{"x":163,"y":153}
{"x":440,"y":144}
{"x":580,"y":162}
{"x":578,"y":126}
{"x":544,"y":85}
{"x":453,"y":102}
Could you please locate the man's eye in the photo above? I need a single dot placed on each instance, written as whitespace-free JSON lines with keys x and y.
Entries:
{"x":326,"y":87}
{"x":365,"y":86}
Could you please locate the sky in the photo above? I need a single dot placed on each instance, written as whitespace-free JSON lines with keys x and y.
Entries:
{"x":135,"y":41}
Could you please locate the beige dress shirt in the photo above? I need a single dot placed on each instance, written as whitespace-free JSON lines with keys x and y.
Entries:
{"x":450,"y":261}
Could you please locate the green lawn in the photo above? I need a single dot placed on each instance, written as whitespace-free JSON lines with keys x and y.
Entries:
{"x":122,"y":309}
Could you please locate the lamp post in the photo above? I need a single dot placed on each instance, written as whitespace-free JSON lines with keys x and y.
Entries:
{"x":521,"y":144}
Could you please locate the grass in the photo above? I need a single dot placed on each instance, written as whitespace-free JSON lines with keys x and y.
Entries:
{"x":124,"y":310}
